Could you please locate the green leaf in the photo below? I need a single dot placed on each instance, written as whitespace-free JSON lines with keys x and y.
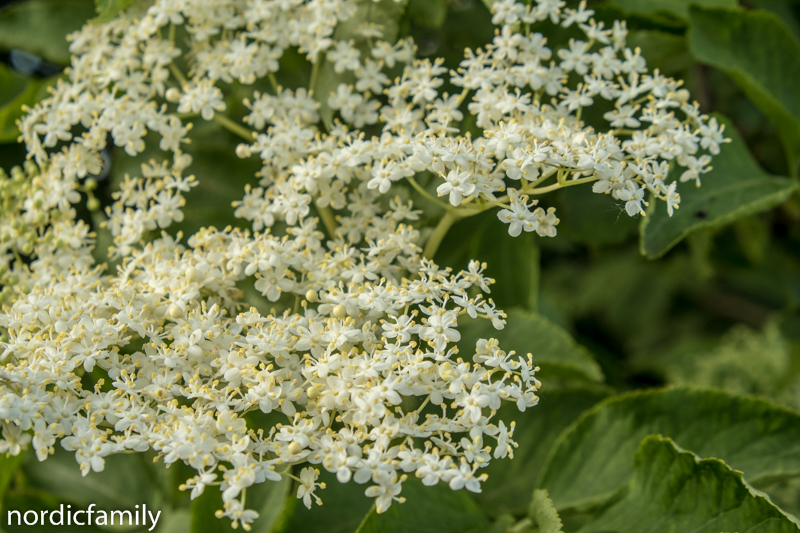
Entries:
{"x":784,"y":9}
{"x":17,"y":91}
{"x":428,"y":13}
{"x":543,"y":513}
{"x":386,"y":14}
{"x":676,"y":8}
{"x":8,"y":467}
{"x":536,"y":430}
{"x":269,"y":499}
{"x":436,"y":509}
{"x":126,"y":481}
{"x":50,"y":21}
{"x":12,"y":85}
{"x":674,"y":490}
{"x":502,"y":524}
{"x":592,"y":459}
{"x":109,"y":9}
{"x":592,"y":219}
{"x":513,"y":262}
{"x":553,"y":350}
{"x":608,"y":289}
{"x":664,"y":51}
{"x":175,"y":521}
{"x":343,"y":509}
{"x":327,"y":82}
{"x":758,"y":51}
{"x":736,"y":187}
{"x":743,"y":360}
{"x":221,"y":176}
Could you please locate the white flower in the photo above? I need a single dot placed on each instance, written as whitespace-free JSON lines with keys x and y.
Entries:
{"x":308,"y":484}
{"x":440,"y":328}
{"x":633,"y":197}
{"x":201,"y":97}
{"x":457,"y":185}
{"x":465,"y":478}
{"x":547,"y":221}
{"x":198,"y":483}
{"x":673,"y":198}
{"x":387,"y":489}
{"x":344,"y":57}
{"x":234,"y":510}
{"x":518,"y":217}
{"x":14,"y":440}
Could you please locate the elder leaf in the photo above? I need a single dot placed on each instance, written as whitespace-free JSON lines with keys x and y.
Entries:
{"x":592,"y":459}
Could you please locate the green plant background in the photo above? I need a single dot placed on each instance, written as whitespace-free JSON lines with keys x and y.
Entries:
{"x":669,"y":348}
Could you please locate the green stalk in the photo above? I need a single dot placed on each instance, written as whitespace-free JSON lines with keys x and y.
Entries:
{"x":234,"y":127}
{"x":328,"y":220}
{"x":439,"y":232}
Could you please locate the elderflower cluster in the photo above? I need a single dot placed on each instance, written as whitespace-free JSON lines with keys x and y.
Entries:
{"x":356,"y":363}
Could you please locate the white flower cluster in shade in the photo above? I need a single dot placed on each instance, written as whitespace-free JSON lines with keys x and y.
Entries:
{"x":358,"y":356}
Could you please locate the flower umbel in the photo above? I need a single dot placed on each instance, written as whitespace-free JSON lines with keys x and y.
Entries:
{"x":356,"y":363}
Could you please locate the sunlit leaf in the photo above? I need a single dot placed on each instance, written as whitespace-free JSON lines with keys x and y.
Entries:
{"x":544,"y":514}
{"x":536,"y":430}
{"x":592,"y":459}
{"x":675,"y":490}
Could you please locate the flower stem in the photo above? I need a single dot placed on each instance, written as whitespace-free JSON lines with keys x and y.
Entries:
{"x":326,"y":215}
{"x":561,"y":185}
{"x":427,"y":195}
{"x":274,"y":82}
{"x":234,"y":127}
{"x":178,"y":74}
{"x":314,"y":71}
{"x":439,"y":232}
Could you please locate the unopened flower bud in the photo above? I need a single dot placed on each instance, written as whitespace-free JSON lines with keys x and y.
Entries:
{"x":175,"y":311}
{"x":173,"y":94}
{"x":243,"y":151}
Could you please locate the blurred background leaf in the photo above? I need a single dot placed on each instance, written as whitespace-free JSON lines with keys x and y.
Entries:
{"x":759,"y":52}
{"x":735,"y":188}
{"x":437,"y":509}
{"x":108,"y":9}
{"x":41,"y":26}
{"x":270,"y":499}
